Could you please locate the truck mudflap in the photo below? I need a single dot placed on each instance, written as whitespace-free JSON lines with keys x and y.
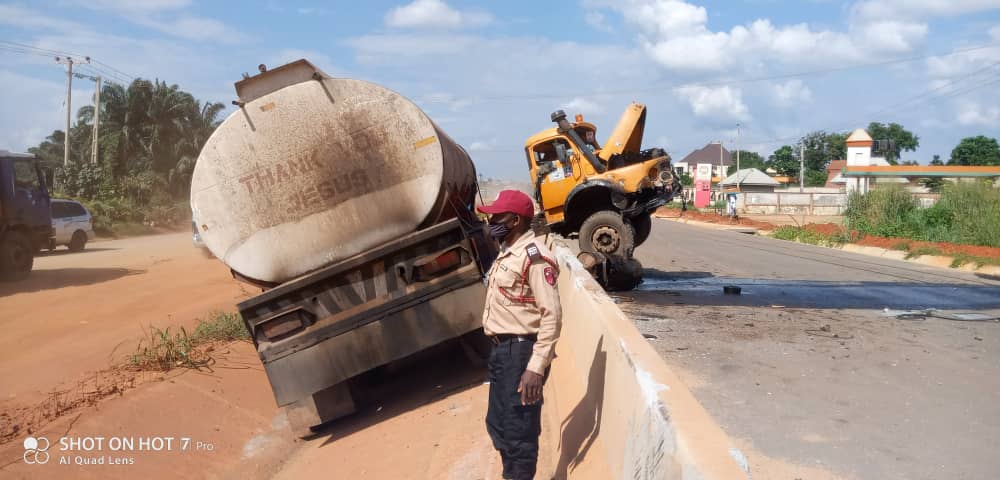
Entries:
{"x":323,"y":328}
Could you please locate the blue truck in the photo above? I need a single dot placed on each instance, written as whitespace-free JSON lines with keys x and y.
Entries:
{"x":25,"y":215}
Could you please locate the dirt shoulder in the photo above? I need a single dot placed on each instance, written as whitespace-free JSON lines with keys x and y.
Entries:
{"x":423,"y":420}
{"x":82,"y":312}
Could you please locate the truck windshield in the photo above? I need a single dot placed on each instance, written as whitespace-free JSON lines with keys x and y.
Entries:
{"x":26,"y":175}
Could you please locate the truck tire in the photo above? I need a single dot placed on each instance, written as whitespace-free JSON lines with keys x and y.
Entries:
{"x":642,"y":225}
{"x":78,"y":242}
{"x":623,"y":274}
{"x":606,"y":232}
{"x":17,"y":256}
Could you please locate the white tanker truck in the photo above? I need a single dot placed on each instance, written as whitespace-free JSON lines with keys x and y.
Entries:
{"x":354,"y":213}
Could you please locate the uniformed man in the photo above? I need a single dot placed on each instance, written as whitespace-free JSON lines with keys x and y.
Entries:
{"x":522,"y":318}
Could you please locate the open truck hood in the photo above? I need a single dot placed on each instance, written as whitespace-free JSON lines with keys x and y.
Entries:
{"x":627,"y":135}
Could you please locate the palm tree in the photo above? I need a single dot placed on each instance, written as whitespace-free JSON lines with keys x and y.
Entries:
{"x":151,"y":133}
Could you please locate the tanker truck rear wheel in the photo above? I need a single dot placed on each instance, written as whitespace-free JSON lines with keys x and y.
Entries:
{"x":606,"y":232}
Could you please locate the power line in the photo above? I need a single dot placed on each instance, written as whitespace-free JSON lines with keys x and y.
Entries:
{"x":133,"y":77}
{"x":43,"y":50}
{"x":925,"y":97}
{"x":660,"y":87}
{"x":996,"y":79}
{"x":10,"y":49}
{"x":919,"y":98}
{"x":104,"y":69}
{"x":110,"y":76}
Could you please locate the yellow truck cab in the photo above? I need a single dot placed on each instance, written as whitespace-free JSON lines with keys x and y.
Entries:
{"x":602,"y":194}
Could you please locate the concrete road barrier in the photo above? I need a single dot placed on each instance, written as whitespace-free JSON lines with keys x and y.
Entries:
{"x":614,"y":408}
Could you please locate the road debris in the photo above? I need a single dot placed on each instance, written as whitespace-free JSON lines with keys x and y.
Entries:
{"x":934,"y":313}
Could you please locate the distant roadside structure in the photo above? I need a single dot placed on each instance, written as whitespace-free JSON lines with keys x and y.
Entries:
{"x":749,"y":180}
{"x":834,"y":179}
{"x":865,"y":166}
{"x":712,"y":154}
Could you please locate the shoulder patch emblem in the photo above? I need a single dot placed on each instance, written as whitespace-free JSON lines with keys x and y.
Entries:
{"x":533,"y":252}
{"x":550,"y":276}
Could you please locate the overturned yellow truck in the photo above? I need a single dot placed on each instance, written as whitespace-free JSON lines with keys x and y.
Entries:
{"x":602,"y":194}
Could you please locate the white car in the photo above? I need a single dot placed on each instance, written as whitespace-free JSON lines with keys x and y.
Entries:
{"x":72,"y":223}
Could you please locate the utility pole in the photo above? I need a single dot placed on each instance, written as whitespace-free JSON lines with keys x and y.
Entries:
{"x":721,"y":170}
{"x":737,"y":156}
{"x":97,"y":121}
{"x":802,"y":168}
{"x":737,"y":146}
{"x":69,"y":61}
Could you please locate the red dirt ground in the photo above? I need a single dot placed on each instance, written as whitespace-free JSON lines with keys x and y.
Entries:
{"x":828,"y":229}
{"x":947,"y":249}
{"x":712,"y":218}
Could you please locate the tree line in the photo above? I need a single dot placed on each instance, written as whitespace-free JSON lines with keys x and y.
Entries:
{"x":150,"y":135}
{"x":820,"y":148}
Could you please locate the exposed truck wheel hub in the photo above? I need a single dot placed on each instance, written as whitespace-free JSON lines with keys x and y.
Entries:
{"x":606,"y":239}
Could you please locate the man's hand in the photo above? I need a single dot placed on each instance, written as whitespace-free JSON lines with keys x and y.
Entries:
{"x":530,"y":387}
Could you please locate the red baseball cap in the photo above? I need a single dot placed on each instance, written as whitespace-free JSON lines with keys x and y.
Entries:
{"x":513,"y":201}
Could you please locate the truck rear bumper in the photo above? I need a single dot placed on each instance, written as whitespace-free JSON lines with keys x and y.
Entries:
{"x":395,"y":336}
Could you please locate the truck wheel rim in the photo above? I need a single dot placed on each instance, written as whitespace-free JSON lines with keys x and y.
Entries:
{"x":606,"y":239}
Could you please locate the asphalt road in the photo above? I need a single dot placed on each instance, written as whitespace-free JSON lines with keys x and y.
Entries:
{"x":809,"y":371}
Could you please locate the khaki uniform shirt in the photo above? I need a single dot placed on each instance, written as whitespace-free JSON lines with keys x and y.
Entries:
{"x":522,"y":298}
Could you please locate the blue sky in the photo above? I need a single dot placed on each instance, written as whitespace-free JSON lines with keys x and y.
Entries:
{"x":489,"y":73}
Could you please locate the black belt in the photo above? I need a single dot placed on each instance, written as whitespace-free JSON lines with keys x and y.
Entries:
{"x":507,"y":337}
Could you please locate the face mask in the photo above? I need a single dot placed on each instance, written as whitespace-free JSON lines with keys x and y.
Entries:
{"x":499,"y":231}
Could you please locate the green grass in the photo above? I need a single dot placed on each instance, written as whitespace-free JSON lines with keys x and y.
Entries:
{"x":902,"y":246}
{"x":962,"y":259}
{"x":164,"y":349}
{"x":967,"y":213}
{"x":919,"y":252}
{"x":786,"y":232}
{"x":221,"y":326}
{"x":799,"y":234}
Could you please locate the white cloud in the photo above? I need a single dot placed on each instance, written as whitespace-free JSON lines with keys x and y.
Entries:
{"x":974,"y":114}
{"x":676,"y":34}
{"x":434,"y":14}
{"x":317,"y":58}
{"x":584,"y":106}
{"x":167,"y":16}
{"x":451,"y":102}
{"x":312,"y":11}
{"x":995,"y":33}
{"x":887,"y":9}
{"x":597,"y":20}
{"x":29,"y":19}
{"x":719,"y":103}
{"x":134,"y":5}
{"x":791,"y":93}
{"x":41,"y":107}
{"x":891,"y":35}
{"x":482,"y":146}
{"x":377,"y":48}
{"x":197,"y":28}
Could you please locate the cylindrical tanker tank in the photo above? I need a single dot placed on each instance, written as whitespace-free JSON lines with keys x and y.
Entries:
{"x":311,"y":170}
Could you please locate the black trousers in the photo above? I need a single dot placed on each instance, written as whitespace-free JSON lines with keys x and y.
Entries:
{"x":514,"y":428}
